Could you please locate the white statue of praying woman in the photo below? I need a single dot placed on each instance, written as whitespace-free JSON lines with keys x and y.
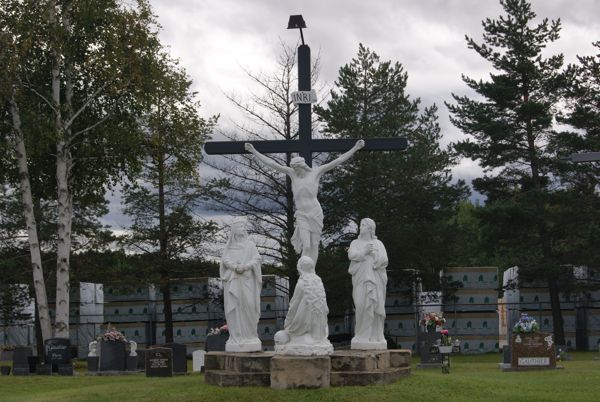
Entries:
{"x":305,"y":330}
{"x":242,"y":284}
{"x":368,"y":260}
{"x":305,"y":186}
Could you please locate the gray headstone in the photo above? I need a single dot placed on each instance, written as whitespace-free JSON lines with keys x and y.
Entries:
{"x":20,"y":355}
{"x":92,"y":363}
{"x":159,"y":362}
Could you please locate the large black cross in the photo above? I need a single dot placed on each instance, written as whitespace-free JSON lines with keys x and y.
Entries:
{"x":305,"y":145}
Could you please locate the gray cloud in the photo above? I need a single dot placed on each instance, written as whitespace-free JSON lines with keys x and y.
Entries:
{"x":214,"y":38}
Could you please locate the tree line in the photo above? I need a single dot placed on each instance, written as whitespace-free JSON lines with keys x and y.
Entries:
{"x":92,"y":102}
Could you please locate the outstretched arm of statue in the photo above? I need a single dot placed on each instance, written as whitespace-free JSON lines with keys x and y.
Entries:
{"x":266,"y":160}
{"x":343,"y":158}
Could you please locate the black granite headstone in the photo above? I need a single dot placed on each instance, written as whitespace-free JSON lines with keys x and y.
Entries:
{"x":92,"y":363}
{"x":43,"y":369}
{"x":132,"y":362}
{"x":20,"y":363}
{"x":141,"y":363}
{"x":216,"y":343}
{"x":179,"y":357}
{"x":113,"y":356}
{"x":159,"y":362}
{"x":20,"y":355}
{"x":57,"y":351}
{"x":33,"y":362}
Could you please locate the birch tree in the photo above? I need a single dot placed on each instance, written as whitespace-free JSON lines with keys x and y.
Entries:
{"x":94,"y":54}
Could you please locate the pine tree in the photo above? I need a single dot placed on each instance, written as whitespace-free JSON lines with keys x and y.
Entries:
{"x":511,"y":125}
{"x":408,"y":194}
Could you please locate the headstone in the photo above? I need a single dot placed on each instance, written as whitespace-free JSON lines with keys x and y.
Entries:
{"x":5,"y":370}
{"x":132,"y":363}
{"x":65,"y":369}
{"x":20,"y":370}
{"x":20,"y":363}
{"x":141,"y":362}
{"x":43,"y":369}
{"x":20,"y":355}
{"x":159,"y":362}
{"x":428,"y":356}
{"x":58,"y":351}
{"x":33,"y":362}
{"x":198,"y":360}
{"x":92,"y":363}
{"x":216,"y":343}
{"x":113,"y":356}
{"x":535,"y":350}
{"x":179,"y":357}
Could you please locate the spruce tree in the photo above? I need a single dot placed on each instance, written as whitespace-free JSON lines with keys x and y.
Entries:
{"x":409,"y":194}
{"x":509,"y":125}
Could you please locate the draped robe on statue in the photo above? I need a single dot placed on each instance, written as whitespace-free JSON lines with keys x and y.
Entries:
{"x":241,"y":293}
{"x":369,"y":280}
{"x":307,"y":314}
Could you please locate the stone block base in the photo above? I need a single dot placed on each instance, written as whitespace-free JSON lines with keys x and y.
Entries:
{"x":289,"y":372}
{"x":373,"y":367}
{"x":366,"y":345}
{"x":226,"y":369}
{"x":509,"y":367}
{"x":375,"y":377}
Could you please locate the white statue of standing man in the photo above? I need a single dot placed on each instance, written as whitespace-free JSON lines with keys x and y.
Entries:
{"x":305,"y":186}
{"x":305,"y":330}
{"x":368,"y":260}
{"x":242,"y":283}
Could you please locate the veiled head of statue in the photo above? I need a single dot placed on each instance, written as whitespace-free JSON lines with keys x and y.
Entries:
{"x":238,"y":226}
{"x":306,"y":265}
{"x":298,"y":162}
{"x":367,"y":226}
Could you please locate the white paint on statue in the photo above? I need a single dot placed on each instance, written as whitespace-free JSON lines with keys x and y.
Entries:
{"x":368,"y":260}
{"x":305,"y":186}
{"x":305,"y":330}
{"x":242,"y":283}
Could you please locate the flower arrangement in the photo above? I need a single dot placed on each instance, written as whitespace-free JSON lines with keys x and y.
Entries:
{"x":7,"y":348}
{"x":112,"y":335}
{"x":432,"y":320}
{"x":526,"y":325}
{"x":219,"y":330}
{"x":446,"y":340}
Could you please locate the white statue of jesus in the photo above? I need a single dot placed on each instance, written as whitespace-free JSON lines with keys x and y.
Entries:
{"x":305,"y":186}
{"x":368,"y":260}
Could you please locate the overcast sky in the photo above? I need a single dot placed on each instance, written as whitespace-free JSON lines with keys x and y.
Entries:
{"x":215,"y":39}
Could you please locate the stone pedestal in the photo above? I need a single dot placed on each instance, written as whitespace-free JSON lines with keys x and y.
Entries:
{"x":243,"y":347}
{"x":358,"y":367}
{"x":366,"y":345}
{"x":237,"y":369}
{"x":288,"y":372}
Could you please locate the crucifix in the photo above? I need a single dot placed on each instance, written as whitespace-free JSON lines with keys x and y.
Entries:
{"x":305,"y":179}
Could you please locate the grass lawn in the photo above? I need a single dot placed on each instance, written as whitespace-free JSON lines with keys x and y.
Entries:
{"x":472,"y":378}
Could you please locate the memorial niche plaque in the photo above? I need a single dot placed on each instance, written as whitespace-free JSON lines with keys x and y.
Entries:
{"x":159,"y":362}
{"x":533,"y":350}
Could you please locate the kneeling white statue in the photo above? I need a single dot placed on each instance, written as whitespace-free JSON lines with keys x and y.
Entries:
{"x":242,"y":283}
{"x":305,"y":330}
{"x":368,"y":260}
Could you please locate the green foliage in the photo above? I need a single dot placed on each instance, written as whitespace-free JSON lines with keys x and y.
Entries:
{"x":409,"y":195}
